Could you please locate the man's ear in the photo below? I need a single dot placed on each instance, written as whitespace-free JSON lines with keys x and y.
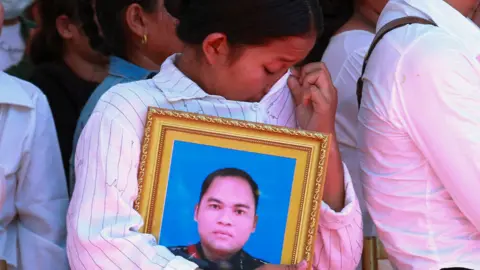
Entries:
{"x":255,"y":224}
{"x":196,"y":213}
{"x":216,"y":48}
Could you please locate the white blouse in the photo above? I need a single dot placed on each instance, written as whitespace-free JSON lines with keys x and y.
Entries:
{"x":344,"y":59}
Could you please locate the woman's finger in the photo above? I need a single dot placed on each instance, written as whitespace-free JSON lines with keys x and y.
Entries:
{"x":294,"y":71}
{"x":320,"y":79}
{"x":321,"y":98}
{"x":296,"y":89}
{"x":311,"y":67}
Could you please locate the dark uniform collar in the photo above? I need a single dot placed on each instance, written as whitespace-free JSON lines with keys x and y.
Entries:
{"x":240,"y":261}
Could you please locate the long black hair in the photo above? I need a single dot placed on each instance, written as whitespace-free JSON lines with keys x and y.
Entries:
{"x":336,"y":13}
{"x":111,"y":39}
{"x":47,"y":44}
{"x":244,"y":22}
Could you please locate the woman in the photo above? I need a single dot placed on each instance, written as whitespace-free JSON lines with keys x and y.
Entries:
{"x":138,"y":41}
{"x":349,"y":35}
{"x":67,"y":69}
{"x":235,"y":65}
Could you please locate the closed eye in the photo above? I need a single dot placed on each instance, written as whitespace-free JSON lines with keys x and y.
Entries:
{"x":268,"y":71}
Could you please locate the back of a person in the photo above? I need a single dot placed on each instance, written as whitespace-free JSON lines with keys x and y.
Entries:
{"x":417,"y":217}
{"x":344,"y":59}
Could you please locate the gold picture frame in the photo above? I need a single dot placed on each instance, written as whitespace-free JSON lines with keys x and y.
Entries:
{"x":309,"y":149}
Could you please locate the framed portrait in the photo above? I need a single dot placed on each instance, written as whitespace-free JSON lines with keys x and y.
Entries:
{"x":215,"y":188}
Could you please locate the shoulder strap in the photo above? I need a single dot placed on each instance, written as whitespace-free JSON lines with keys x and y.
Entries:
{"x":383,"y":31}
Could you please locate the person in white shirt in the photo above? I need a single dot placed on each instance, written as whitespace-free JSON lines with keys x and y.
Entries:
{"x":32,"y":217}
{"x":235,"y":65}
{"x":34,"y":196}
{"x":419,"y":136}
{"x":344,"y":58}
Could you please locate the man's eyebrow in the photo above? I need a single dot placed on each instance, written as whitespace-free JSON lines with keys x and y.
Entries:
{"x":237,"y":205}
{"x":241,"y":205}
{"x":211,"y":199}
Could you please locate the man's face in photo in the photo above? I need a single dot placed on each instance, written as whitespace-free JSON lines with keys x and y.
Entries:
{"x":226,"y":215}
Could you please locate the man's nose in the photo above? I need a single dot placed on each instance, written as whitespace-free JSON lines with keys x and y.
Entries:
{"x":225,"y":218}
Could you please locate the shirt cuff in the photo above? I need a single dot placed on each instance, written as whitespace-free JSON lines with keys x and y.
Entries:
{"x":180,"y":263}
{"x":332,"y":220}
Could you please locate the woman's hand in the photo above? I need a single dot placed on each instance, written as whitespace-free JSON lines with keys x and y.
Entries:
{"x":315,"y":97}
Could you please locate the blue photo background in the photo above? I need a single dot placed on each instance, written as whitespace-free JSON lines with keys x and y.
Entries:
{"x":190,"y":165}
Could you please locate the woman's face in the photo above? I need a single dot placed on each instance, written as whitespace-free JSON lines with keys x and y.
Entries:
{"x":252,"y":71}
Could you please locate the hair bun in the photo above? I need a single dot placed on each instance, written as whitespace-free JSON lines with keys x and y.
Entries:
{"x":177,"y":8}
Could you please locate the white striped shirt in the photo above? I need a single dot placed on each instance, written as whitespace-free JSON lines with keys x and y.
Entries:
{"x":102,"y":224}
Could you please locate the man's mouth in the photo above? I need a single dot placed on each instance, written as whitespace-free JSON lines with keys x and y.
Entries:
{"x":222,"y":233}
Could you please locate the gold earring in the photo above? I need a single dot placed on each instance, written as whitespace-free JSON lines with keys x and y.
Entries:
{"x":144,"y":39}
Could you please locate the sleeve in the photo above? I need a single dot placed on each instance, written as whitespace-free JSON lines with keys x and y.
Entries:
{"x":339,"y":241}
{"x":41,"y":197}
{"x":102,"y":224}
{"x":447,"y":133}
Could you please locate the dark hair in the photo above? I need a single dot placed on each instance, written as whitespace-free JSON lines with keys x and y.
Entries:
{"x":47,"y":44}
{"x":336,"y":13}
{"x":110,"y":16}
{"x":244,"y":22}
{"x":233,"y":172}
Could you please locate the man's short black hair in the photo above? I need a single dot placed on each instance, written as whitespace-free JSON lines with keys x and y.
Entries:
{"x":233,"y":172}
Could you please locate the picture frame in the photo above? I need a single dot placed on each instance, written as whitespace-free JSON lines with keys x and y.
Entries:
{"x":190,"y":145}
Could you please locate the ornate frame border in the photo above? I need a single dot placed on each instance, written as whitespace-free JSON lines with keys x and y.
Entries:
{"x":313,"y":143}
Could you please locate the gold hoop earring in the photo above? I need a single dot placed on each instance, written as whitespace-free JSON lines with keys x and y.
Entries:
{"x":144,"y":39}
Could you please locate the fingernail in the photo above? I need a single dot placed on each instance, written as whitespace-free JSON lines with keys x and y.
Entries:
{"x":302,"y":263}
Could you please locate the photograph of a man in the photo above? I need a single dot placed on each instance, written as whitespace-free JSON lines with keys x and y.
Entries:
{"x":226,"y":216}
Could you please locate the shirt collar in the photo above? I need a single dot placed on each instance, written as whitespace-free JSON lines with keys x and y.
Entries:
{"x":12,"y":92}
{"x":176,"y":86}
{"x":444,"y":15}
{"x":121,"y":68}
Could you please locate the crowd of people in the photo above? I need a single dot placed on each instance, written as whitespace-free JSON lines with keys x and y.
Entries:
{"x":396,"y":83}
